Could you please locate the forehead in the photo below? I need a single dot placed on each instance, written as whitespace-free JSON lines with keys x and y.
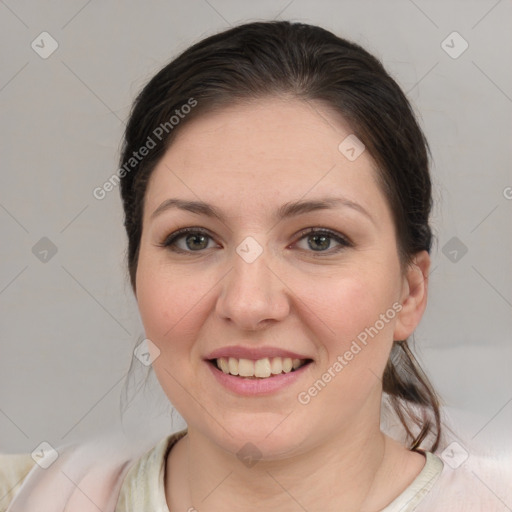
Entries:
{"x":266,"y":151}
{"x":270,"y":128}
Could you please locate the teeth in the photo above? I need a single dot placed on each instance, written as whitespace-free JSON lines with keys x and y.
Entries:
{"x":223,"y":364}
{"x":232,"y":365}
{"x":245,"y":368}
{"x":262,"y":368}
{"x":276,"y":366}
{"x":287,"y":365}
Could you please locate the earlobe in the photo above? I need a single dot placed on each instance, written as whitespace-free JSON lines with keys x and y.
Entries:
{"x":414,"y":296}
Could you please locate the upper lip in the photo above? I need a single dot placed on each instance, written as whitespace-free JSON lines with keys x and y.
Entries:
{"x":240,"y":352}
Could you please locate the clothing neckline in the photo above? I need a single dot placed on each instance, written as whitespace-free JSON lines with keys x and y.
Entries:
{"x":412,"y":495}
{"x":407,"y":501}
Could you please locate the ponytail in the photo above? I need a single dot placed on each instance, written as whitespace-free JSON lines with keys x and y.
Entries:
{"x":407,"y":386}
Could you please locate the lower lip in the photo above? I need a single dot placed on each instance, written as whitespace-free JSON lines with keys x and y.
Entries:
{"x":256,"y":387}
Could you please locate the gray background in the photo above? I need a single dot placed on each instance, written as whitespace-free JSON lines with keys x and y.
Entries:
{"x":69,"y":324}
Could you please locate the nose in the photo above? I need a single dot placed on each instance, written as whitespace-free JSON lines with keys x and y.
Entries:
{"x":252,"y":295}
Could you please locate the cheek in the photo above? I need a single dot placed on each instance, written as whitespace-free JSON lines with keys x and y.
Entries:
{"x":172,"y":312}
{"x":352,"y":320}
{"x":347,"y":306}
{"x":166,"y":300}
{"x":353,"y":327}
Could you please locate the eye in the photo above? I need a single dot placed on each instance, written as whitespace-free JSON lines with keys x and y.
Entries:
{"x":189,"y":240}
{"x":320,"y":240}
{"x":194,"y":240}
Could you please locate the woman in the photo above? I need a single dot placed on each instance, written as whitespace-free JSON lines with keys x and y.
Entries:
{"x":276,"y":192}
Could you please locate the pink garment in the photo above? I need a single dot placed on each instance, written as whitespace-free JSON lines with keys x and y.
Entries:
{"x":85,"y":478}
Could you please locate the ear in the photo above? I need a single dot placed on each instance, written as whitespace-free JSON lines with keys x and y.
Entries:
{"x":414,"y":296}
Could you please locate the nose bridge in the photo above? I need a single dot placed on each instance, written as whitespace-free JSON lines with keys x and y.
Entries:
{"x":252,"y":293}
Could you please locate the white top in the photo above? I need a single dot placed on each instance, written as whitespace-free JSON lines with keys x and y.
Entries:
{"x":420,"y":486}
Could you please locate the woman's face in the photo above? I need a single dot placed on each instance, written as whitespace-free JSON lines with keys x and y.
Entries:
{"x":255,"y":285}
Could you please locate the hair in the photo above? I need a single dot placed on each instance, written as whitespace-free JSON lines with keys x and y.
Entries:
{"x":259,"y":60}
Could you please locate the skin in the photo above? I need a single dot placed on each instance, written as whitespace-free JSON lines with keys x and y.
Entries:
{"x":247,"y":160}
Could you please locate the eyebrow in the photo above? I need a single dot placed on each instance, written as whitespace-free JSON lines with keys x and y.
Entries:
{"x":285,"y":211}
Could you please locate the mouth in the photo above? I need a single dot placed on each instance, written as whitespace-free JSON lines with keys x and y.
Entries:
{"x":260,"y":369}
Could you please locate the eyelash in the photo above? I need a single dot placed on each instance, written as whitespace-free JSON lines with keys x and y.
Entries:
{"x":342,"y":240}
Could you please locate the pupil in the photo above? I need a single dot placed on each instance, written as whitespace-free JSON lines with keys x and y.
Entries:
{"x":195,"y":237}
{"x":325,"y":241}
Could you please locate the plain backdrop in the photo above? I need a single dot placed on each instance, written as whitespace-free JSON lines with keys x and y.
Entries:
{"x":69,"y":322}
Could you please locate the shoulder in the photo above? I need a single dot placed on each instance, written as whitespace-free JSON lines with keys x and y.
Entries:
{"x":457,"y":481}
{"x":13,"y":471}
{"x":479,"y":483}
{"x":144,"y":485}
{"x":98,"y":464}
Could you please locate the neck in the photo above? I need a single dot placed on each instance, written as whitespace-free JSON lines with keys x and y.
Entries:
{"x":360,"y":464}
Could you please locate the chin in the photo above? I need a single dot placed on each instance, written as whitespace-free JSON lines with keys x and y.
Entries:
{"x":260,"y":436}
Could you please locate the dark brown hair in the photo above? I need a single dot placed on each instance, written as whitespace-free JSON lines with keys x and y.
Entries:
{"x":262,"y":59}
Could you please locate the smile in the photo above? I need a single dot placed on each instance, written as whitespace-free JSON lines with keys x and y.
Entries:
{"x":259,"y":369}
{"x":247,"y":383}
